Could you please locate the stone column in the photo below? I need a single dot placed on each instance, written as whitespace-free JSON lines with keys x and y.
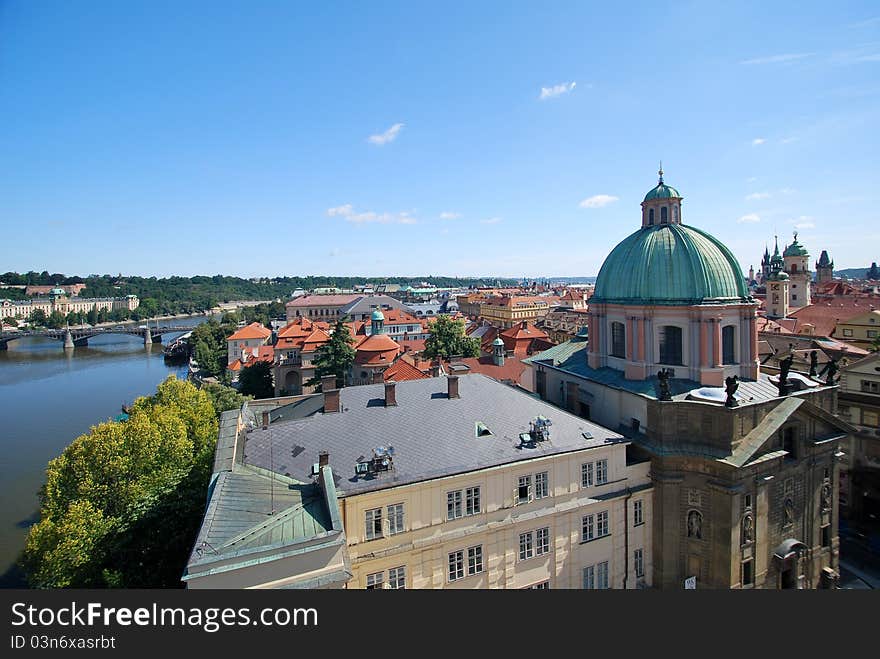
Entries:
{"x":148,"y":337}
{"x":704,"y":344}
{"x":716,"y":336}
{"x":68,"y":339}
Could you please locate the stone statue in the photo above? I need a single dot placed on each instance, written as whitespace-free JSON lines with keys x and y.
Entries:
{"x":784,"y":367}
{"x":663,"y":380}
{"x":831,"y":368}
{"x":788,"y":512}
{"x":826,"y":496}
{"x":814,"y":363}
{"x":748,"y":530}
{"x":732,"y":384}
{"x":695,"y":525}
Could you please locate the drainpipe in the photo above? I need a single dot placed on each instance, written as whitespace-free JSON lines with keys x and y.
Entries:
{"x":626,"y":536}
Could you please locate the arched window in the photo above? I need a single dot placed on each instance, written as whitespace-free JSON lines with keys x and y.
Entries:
{"x":728,"y":345}
{"x":618,"y":340}
{"x":651,"y":216}
{"x":664,"y":219}
{"x":670,"y":345}
{"x":675,"y":213}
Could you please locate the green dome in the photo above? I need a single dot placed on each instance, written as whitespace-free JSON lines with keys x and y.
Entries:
{"x":795,"y":249}
{"x":377,"y":315}
{"x":662,"y":191}
{"x":670,"y":264}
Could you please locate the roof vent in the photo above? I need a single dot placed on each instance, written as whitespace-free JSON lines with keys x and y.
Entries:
{"x":539,"y":429}
{"x":482,"y":430}
{"x":382,"y":460}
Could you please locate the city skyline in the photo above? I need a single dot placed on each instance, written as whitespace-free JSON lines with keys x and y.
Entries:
{"x":408,"y":141}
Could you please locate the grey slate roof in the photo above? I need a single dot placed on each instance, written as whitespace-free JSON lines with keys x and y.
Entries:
{"x":433,"y":436}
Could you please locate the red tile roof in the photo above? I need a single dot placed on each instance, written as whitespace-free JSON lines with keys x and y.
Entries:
{"x":511,"y":371}
{"x":402,"y":370}
{"x":264,"y":354}
{"x":376,"y":349}
{"x":252,"y":331}
{"x":825,"y":313}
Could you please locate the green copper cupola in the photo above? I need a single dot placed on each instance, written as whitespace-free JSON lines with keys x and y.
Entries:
{"x":662,"y":204}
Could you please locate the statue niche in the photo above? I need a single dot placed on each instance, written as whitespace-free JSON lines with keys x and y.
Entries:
{"x":695,"y":525}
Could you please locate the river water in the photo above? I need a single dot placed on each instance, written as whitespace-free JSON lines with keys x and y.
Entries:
{"x":48,"y":397}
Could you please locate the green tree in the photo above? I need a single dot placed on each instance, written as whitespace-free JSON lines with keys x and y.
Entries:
{"x":11,"y":322}
{"x":37,"y":317}
{"x":448,"y":338}
{"x":336,"y":356}
{"x":208,"y":346}
{"x":256,"y":380}
{"x":122,"y":503}
{"x":56,"y":320}
{"x":223,"y":398}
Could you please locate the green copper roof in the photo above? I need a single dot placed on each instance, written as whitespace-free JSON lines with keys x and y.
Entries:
{"x":377,"y":315}
{"x":662,"y":191}
{"x":670,"y":264}
{"x":795,"y":249}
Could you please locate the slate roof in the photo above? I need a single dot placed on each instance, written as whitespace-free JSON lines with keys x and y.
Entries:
{"x":433,"y":436}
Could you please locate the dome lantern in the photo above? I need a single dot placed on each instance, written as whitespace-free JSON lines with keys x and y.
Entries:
{"x":662,"y":204}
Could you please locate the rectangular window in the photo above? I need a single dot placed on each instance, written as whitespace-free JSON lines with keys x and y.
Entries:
{"x":456,"y":565}
{"x":826,"y":536}
{"x":472,"y":501}
{"x":872,"y":334}
{"x":587,"y":528}
{"x":587,"y":474}
{"x":638,"y":563}
{"x":589,"y":577}
{"x":728,"y":345}
{"x":601,"y":472}
{"x":395,"y":519}
{"x":453,"y":504}
{"x":542,"y":541}
{"x":670,"y":338}
{"x":397,"y":578}
{"x":475,"y":559}
{"x":871,"y":387}
{"x":602,"y":575}
{"x":602,"y":524}
{"x":524,"y":489}
{"x":374,"y":523}
{"x":541,"y":489}
{"x":618,"y":340}
{"x":526,"y":546}
{"x":374,"y":581}
{"x":870,"y":419}
{"x":637,"y":512}
{"x":748,"y":577}
{"x":544,"y":585}
{"x":847,"y":332}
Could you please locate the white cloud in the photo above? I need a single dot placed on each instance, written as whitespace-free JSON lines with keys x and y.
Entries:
{"x":788,"y":140}
{"x":803,"y":222}
{"x":556,"y":90}
{"x":597,"y":201}
{"x":758,"y":141}
{"x":787,"y":190}
{"x":347,"y":212}
{"x":776,"y":59}
{"x":805,"y":225}
{"x":449,"y":215}
{"x":750,"y":218}
{"x":491,"y":220}
{"x":755,"y":196}
{"x":388,"y":136}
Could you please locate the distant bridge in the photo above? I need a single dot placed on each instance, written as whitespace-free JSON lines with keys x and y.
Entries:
{"x":79,"y":336}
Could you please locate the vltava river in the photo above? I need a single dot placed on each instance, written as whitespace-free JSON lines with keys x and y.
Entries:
{"x":48,"y":397}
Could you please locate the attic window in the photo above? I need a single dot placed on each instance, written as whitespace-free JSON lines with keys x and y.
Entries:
{"x":482,"y":430}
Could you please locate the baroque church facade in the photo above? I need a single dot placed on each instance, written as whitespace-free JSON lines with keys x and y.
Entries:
{"x":745,"y":466}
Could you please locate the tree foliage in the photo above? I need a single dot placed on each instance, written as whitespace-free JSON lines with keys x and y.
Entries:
{"x":223,"y":398}
{"x":208,"y":346}
{"x":336,"y":356}
{"x":256,"y":380}
{"x":448,"y":339}
{"x":123,"y":502}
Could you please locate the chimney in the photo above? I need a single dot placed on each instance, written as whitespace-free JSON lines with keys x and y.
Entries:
{"x":265,"y":420}
{"x":378,"y":377}
{"x":452,"y":386}
{"x":435,"y":368}
{"x":331,"y":400}
{"x":328,"y":382}
{"x":391,"y":394}
{"x":323,"y":459}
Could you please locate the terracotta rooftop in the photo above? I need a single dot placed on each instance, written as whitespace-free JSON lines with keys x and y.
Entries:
{"x":403,"y":370}
{"x":263,"y":354}
{"x":824,"y":314}
{"x":252,"y":331}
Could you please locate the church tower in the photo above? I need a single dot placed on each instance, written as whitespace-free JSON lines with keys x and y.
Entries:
{"x":824,"y":268}
{"x":797,"y":265}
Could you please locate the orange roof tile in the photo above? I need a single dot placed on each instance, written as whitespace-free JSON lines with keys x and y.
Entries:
{"x":252,"y":331}
{"x":402,"y":370}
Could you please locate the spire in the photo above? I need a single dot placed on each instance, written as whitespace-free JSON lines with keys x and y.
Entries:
{"x":661,"y":173}
{"x":776,"y":249}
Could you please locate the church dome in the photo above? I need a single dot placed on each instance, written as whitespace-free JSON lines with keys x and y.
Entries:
{"x":377,"y":315}
{"x":662,"y":191}
{"x":670,"y":264}
{"x":795,"y":249}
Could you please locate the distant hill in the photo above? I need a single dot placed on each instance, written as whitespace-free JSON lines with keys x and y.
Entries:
{"x":851,"y":273}
{"x":572,"y":280}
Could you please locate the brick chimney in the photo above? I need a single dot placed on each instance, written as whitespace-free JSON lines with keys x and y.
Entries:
{"x":331,"y":400}
{"x":452,"y":386}
{"x":323,"y":459}
{"x":265,"y":420}
{"x":391,"y":394}
{"x":328,"y":382}
{"x":378,"y":377}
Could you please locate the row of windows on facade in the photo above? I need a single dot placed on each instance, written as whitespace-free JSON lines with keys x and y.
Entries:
{"x":670,"y":339}
{"x":594,"y":576}
{"x":871,"y":334}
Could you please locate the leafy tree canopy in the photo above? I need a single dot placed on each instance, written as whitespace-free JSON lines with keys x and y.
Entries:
{"x":448,"y":339}
{"x":256,"y":380}
{"x":336,"y":356}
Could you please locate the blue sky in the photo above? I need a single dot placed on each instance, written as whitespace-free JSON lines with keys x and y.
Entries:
{"x":510,"y":139}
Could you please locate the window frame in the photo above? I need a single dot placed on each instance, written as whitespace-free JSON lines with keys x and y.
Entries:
{"x":638,"y":512}
{"x":399,"y":578}
{"x":603,"y":525}
{"x":453,"y":505}
{"x":588,"y":528}
{"x":473,"y":501}
{"x":455,"y":566}
{"x":396,"y":519}
{"x":639,"y":563}
{"x":520,"y":500}
{"x":602,"y":471}
{"x":618,"y":339}
{"x":587,"y":479}
{"x":544,"y":491}
{"x":475,"y":560}
{"x":375,"y":581}
{"x":526,"y":545}
{"x":542,"y":541}
{"x":373,"y":524}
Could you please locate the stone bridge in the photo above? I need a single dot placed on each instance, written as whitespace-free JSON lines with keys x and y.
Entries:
{"x":79,"y":336}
